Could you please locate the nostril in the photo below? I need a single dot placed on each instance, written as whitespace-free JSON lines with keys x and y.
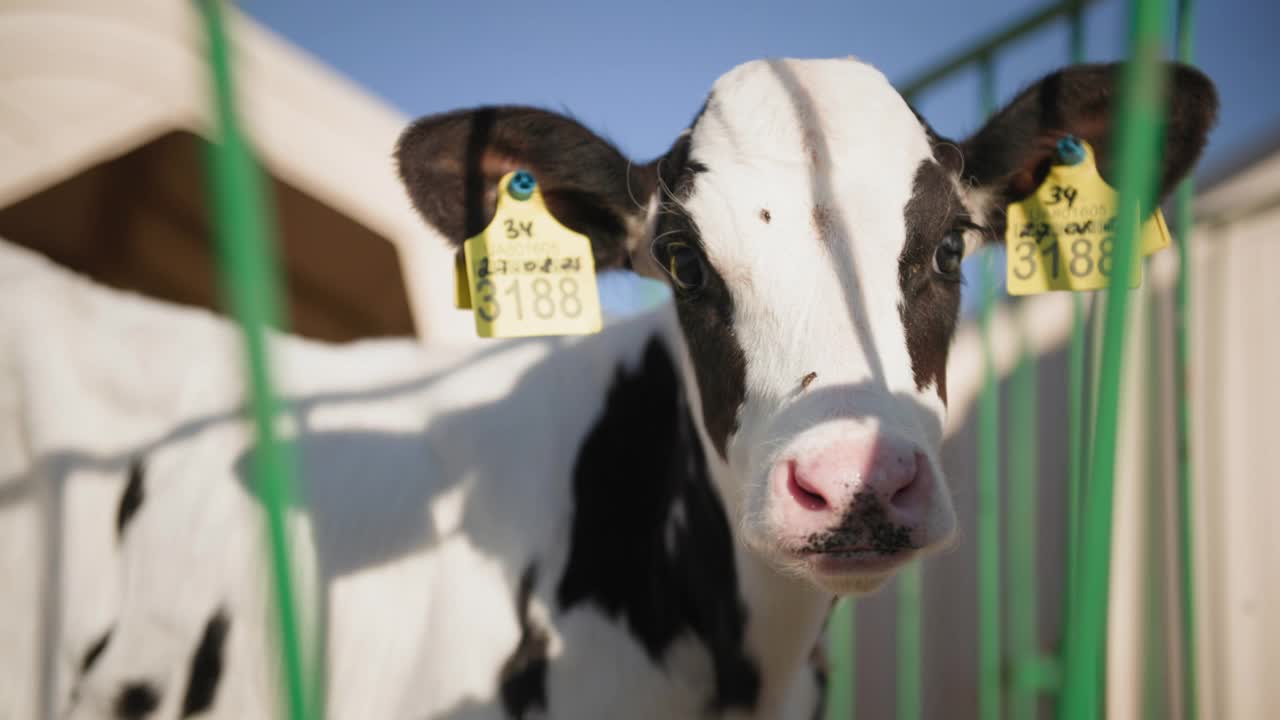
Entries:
{"x":900,"y":496}
{"x":804,"y":493}
{"x":909,"y":484}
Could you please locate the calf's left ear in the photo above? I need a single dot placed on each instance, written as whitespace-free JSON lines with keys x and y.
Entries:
{"x":1010,"y":156}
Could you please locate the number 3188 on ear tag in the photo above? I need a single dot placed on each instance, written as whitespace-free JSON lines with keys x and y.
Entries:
{"x":526,"y":273}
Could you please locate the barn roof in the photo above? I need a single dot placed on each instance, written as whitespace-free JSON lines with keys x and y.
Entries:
{"x":87,"y":83}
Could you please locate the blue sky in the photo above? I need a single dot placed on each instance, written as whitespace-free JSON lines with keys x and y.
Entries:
{"x":636,"y":72}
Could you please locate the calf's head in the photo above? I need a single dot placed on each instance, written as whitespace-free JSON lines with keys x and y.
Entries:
{"x":811,"y":226}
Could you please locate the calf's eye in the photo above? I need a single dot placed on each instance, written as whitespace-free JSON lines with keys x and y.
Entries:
{"x":946,"y":259}
{"x":684,"y":263}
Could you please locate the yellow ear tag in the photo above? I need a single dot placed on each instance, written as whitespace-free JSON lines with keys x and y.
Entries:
{"x":1061,"y":236}
{"x":526,"y":274}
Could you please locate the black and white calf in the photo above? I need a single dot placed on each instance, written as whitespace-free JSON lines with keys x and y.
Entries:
{"x":646,"y":523}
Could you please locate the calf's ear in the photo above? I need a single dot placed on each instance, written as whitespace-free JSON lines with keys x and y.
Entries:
{"x":451,"y":165}
{"x":1009,"y":157}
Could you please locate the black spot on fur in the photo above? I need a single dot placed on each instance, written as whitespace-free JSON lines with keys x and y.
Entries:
{"x":523,"y":680}
{"x":706,"y":314}
{"x":206,"y":666}
{"x":641,"y":475}
{"x":94,"y":652}
{"x":136,"y":702}
{"x":131,"y":499}
{"x":930,"y":303}
{"x":864,"y":525}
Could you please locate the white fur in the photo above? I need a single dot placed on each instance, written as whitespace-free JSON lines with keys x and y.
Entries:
{"x":411,"y":541}
{"x":412,"y":545}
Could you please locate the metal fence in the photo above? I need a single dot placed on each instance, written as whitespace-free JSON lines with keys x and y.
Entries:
{"x":1014,"y":676}
{"x":249,"y":275}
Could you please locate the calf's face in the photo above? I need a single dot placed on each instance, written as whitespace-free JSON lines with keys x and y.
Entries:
{"x":786,"y":229}
{"x":811,"y":227}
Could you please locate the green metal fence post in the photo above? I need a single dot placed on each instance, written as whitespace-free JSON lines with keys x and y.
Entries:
{"x":1022,"y":481}
{"x":842,"y":672}
{"x":1155,"y":617}
{"x":1181,"y":387}
{"x":1141,"y":117}
{"x":1077,"y":390}
{"x":248,"y":275}
{"x":989,"y":647}
{"x":908,"y":686}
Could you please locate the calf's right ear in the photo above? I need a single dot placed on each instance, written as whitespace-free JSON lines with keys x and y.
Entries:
{"x":451,"y":165}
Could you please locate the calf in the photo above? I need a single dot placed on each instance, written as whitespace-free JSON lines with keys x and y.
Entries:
{"x":648,"y":522}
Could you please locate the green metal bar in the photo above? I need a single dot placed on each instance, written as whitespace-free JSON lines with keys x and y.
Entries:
{"x":248,"y":272}
{"x":1076,"y":28}
{"x":1022,"y":481}
{"x":1182,"y":359}
{"x":1155,"y":617}
{"x":1077,"y":392}
{"x":988,"y":46}
{"x":909,"y":696}
{"x":842,"y":672}
{"x":1141,"y":117}
{"x":1077,"y":404}
{"x":989,"y":670}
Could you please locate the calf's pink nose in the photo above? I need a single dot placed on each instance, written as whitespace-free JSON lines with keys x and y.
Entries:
{"x":819,"y":488}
